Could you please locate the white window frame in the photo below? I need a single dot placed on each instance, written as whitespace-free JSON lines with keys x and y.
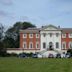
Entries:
{"x":38,"y":45}
{"x":30,"y":45}
{"x":44,"y":45}
{"x":69,"y":44}
{"x":62,"y":45}
{"x":64,"y":35}
{"x":57,"y":45}
{"x":37,"y":35}
{"x":70,"y":35}
{"x":57,"y":34}
{"x":24,"y":35}
{"x":30,"y":36}
{"x":25,"y":45}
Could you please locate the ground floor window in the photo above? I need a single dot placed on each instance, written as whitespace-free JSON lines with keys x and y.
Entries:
{"x":63,"y":45}
{"x":37,"y":44}
{"x":30,"y":45}
{"x":24,"y":45}
{"x":70,"y":44}
{"x":44,"y":45}
{"x":57,"y":45}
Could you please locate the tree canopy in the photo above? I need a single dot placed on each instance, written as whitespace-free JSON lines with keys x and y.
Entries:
{"x":11,"y":39}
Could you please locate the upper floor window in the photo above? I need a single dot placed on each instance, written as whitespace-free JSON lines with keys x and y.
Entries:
{"x":70,"y":35}
{"x":37,"y":35}
{"x":44,"y":34}
{"x":57,"y":45}
{"x":31,"y":35}
{"x":24,"y":35}
{"x":57,"y":34}
{"x":64,"y":35}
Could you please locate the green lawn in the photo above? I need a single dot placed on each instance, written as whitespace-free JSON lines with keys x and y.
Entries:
{"x":35,"y":65}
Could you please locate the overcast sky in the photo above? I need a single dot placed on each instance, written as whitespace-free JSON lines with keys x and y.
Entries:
{"x":38,"y":12}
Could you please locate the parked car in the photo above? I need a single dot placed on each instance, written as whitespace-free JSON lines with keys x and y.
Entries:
{"x":58,"y":55}
{"x":39,"y":56}
{"x":50,"y":56}
{"x":22,"y":55}
{"x":68,"y":55}
{"x":34,"y":56}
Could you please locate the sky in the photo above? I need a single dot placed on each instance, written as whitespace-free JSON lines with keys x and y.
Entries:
{"x":38,"y":12}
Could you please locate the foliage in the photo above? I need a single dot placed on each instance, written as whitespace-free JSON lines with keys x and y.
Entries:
{"x":2,"y":50}
{"x":69,"y":51}
{"x":11,"y":39}
{"x":1,"y":31}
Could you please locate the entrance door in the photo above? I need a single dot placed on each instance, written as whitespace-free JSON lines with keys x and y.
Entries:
{"x":50,"y":46}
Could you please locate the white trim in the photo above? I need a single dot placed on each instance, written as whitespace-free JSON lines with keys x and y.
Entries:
{"x":38,"y":45}
{"x":64,"y":44}
{"x":70,"y":44}
{"x":24,"y":35}
{"x":25,"y":45}
{"x":30,"y":45}
{"x":30,"y":35}
{"x":37,"y":35}
{"x":70,"y":35}
{"x":64,"y":35}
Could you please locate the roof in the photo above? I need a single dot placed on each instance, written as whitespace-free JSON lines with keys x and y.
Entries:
{"x":31,"y":30}
{"x":67,"y":30}
{"x":37,"y":30}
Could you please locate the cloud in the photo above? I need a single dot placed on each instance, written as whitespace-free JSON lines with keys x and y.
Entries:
{"x":6,"y":2}
{"x":4,"y":14}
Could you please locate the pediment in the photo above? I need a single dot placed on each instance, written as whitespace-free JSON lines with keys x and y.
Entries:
{"x":50,"y":27}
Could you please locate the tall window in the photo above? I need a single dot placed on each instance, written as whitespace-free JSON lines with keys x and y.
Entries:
{"x":70,"y":44}
{"x":57,"y":45}
{"x":37,"y":44}
{"x":31,"y":45}
{"x":44,"y":45}
{"x":24,"y":45}
{"x":63,"y":45}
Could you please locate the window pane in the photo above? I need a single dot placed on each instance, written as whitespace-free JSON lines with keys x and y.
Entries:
{"x":44,"y":45}
{"x":57,"y":45}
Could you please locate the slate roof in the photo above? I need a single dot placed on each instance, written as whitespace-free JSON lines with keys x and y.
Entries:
{"x":37,"y":30}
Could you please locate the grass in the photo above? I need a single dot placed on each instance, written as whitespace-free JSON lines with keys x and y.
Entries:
{"x":35,"y":65}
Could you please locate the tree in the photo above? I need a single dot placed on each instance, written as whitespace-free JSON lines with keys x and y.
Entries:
{"x":1,"y":31}
{"x":12,"y":34}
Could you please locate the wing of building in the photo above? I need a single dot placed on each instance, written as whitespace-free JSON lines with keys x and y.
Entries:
{"x":46,"y":39}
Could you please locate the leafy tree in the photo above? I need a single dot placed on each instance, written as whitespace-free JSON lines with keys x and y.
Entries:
{"x":1,"y":31}
{"x":12,"y":34}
